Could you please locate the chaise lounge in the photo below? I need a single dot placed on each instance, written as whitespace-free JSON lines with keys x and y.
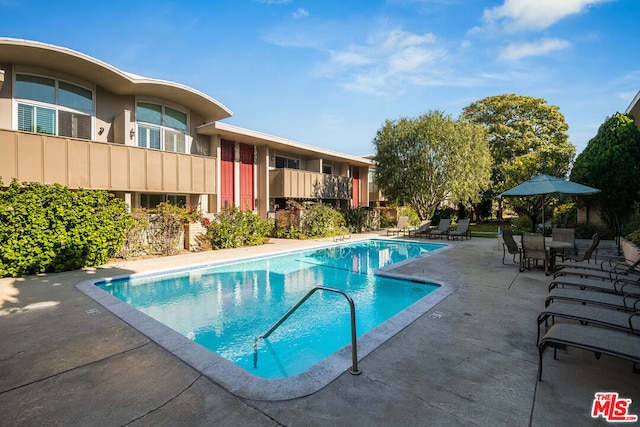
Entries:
{"x":442,"y":230}
{"x":590,"y":338}
{"x":462,"y":230}
{"x":586,"y":314}
{"x":401,"y":226}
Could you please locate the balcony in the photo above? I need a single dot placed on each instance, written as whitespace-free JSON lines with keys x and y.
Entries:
{"x":299,"y":184}
{"x":86,"y":164}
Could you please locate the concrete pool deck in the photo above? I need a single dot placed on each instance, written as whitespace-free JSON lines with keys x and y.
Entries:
{"x":470,"y":360}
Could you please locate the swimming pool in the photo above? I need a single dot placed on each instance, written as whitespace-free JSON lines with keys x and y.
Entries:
{"x":210,"y":305}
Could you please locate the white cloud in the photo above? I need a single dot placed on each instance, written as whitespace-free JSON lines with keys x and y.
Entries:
{"x":516,"y":15}
{"x":521,"y":50}
{"x":384,"y":62}
{"x":300,"y":13}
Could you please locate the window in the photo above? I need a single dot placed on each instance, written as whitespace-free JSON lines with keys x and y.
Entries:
{"x":285,"y":162}
{"x":328,"y":169}
{"x":161,"y":127}
{"x":53,"y":107}
{"x":150,"y":201}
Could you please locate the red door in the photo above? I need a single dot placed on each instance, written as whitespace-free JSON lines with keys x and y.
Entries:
{"x":247,"y":196}
{"x":227,"y":178}
{"x":355,"y":176}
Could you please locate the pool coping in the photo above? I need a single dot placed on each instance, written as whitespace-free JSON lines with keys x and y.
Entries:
{"x":241,"y":382}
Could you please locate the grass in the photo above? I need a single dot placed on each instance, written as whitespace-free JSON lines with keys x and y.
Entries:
{"x":487,"y":229}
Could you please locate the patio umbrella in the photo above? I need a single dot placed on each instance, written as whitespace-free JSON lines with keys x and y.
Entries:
{"x":542,"y":185}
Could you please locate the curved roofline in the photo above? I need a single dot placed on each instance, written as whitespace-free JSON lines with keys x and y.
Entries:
{"x":28,"y":52}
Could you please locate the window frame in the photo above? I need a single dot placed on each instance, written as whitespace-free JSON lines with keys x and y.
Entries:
{"x":39,"y":105}
{"x":166,"y":198}
{"x":164,"y":129}
{"x":298,"y":162}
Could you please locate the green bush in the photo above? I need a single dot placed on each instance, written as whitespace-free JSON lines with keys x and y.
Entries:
{"x":357,"y":219}
{"x":46,"y":228}
{"x":321,"y":220}
{"x":565,"y":215}
{"x":233,"y":228}
{"x":414,"y":219}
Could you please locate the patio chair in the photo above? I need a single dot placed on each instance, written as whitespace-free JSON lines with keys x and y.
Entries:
{"x":442,"y":230}
{"x":509,"y":245}
{"x":401,"y":226}
{"x":422,"y":230}
{"x":599,"y":340}
{"x":567,"y":235}
{"x":462,"y":230}
{"x":533,"y":249}
{"x":576,"y":259}
{"x":586,"y":314}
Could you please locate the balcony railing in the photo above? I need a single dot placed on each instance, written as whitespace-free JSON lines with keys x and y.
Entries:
{"x":294,"y":183}
{"x":96,"y":165}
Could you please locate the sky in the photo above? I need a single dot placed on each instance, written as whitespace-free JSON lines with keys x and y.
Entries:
{"x":329,"y":73}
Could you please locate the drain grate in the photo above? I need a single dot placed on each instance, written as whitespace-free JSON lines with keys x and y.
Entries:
{"x":92,"y":311}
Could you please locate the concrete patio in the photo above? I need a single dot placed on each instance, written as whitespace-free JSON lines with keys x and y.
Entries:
{"x":470,"y":361}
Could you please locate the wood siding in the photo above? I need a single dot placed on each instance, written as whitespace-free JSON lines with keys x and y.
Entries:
{"x":103,"y":166}
{"x":294,"y":183}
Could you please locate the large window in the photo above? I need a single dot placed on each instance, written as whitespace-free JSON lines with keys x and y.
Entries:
{"x":54,"y":107}
{"x":286,"y":162}
{"x":150,"y":200}
{"x":161,"y":127}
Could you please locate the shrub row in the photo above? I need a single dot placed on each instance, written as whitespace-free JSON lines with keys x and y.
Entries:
{"x":46,"y":228}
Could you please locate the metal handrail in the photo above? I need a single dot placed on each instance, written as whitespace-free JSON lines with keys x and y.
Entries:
{"x":354,"y":344}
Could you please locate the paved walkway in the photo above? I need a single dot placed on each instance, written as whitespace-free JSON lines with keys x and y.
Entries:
{"x":470,"y":361}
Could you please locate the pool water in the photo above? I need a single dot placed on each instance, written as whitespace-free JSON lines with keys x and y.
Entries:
{"x":225,"y":308}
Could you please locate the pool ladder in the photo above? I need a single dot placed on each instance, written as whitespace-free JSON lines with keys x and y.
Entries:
{"x":354,"y":344}
{"x":341,"y":233}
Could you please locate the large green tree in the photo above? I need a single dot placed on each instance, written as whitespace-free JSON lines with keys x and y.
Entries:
{"x":611,"y":162}
{"x":425,"y":160}
{"x":527,"y":137}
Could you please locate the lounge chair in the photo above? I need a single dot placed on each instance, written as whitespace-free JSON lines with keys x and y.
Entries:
{"x":599,"y":340}
{"x":533,"y":248}
{"x":627,"y":302}
{"x":422,"y":230}
{"x":627,"y":269}
{"x":462,"y":230}
{"x":621,"y":287}
{"x":509,"y":245}
{"x":442,"y":230}
{"x":401,"y":226}
{"x":586,"y":314}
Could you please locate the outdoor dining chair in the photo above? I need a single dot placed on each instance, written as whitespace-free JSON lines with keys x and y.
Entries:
{"x":509,"y":245}
{"x":534,"y":249}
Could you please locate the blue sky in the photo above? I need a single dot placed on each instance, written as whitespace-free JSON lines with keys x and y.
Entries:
{"x":329,"y":73}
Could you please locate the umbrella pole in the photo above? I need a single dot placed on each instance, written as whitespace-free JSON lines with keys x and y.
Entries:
{"x":542,"y":207}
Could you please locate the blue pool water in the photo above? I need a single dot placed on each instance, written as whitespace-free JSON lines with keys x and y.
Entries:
{"x":224,"y":308}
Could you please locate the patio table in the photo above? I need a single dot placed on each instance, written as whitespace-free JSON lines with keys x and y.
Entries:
{"x":553,"y":246}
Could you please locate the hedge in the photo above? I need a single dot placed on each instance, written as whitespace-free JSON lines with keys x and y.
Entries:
{"x":50,"y":228}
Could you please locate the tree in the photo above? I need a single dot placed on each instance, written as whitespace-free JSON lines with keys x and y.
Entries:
{"x":611,"y":162}
{"x":423,"y":161}
{"x":527,"y":138}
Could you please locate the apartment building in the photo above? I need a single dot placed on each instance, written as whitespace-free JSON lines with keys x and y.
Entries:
{"x":71,"y":119}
